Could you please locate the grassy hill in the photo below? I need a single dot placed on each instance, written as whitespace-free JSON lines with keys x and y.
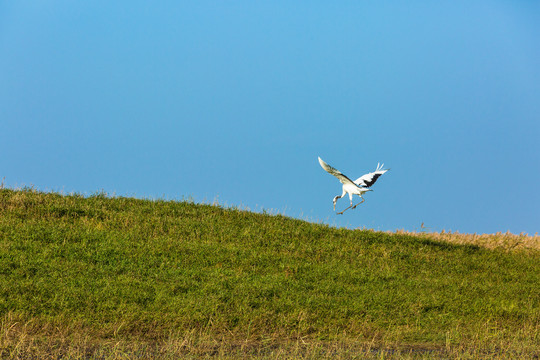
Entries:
{"x":114,"y":277}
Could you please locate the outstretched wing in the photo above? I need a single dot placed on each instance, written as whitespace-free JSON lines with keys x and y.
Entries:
{"x":369,"y":179}
{"x":342,"y":178}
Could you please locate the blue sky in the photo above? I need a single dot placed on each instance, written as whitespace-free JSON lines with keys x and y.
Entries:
{"x":234,"y":101}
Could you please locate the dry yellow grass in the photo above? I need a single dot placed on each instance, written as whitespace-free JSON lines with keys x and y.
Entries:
{"x":27,"y":339}
{"x":505,"y":241}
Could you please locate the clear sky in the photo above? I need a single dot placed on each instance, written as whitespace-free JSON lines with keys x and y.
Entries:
{"x":233,"y":101}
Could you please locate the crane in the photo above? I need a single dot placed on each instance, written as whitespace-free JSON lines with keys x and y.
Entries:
{"x":358,"y":187}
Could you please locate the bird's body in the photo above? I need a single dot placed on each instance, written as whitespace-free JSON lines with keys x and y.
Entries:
{"x":358,"y":187}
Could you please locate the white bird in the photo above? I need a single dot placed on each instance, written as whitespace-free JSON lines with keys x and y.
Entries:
{"x":358,"y":187}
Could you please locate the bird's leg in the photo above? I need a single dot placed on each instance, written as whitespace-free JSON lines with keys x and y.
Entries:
{"x":341,"y":212}
{"x":350,"y":198}
{"x":354,"y":207}
{"x":351,"y":207}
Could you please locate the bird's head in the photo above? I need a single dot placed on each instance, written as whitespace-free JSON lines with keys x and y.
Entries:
{"x":335,"y":201}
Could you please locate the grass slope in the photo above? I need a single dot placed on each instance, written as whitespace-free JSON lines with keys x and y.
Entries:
{"x":115,"y":270}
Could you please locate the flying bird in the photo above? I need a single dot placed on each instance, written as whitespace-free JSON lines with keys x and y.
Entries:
{"x":358,"y":187}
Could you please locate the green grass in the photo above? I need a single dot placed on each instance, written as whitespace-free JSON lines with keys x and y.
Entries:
{"x":109,"y":276}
